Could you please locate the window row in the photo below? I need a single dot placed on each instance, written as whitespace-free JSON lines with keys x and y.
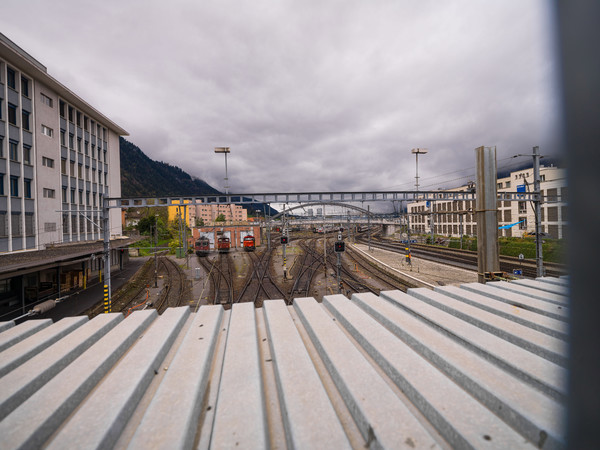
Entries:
{"x":16,"y":224}
{"x":69,"y":112}
{"x":73,"y":195}
{"x":11,"y":81}
{"x":81,"y":223}
{"x":15,"y":186}
{"x":86,"y":146}
{"x":13,"y":151}
{"x":80,"y":171}
{"x":13,"y":114}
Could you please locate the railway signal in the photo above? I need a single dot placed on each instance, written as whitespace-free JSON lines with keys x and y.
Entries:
{"x":284,"y":240}
{"x":339,"y":246}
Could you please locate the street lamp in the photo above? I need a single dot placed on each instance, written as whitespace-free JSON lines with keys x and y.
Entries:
{"x":417,"y":152}
{"x":224,"y":150}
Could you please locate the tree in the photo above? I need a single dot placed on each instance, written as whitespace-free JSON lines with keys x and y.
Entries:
{"x":199,"y":222}
{"x":220,"y":218}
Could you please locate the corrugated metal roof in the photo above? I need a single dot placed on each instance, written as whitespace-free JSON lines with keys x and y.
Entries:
{"x":450,"y":367}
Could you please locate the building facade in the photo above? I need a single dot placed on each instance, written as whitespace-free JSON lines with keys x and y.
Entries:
{"x":58,"y":158}
{"x":455,"y":218}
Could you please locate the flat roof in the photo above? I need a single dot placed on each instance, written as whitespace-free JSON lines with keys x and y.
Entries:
{"x":18,"y":263}
{"x":452,"y":367}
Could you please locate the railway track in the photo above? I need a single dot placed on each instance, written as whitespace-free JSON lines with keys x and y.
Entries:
{"x":221,"y":274}
{"x":304,"y":273}
{"x":260,"y":280}
{"x":174,"y":287}
{"x":465,"y":259}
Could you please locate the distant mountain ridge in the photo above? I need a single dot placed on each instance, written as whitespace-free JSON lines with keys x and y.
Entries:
{"x":144,"y":177}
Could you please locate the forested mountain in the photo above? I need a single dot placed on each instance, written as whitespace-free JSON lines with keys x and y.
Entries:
{"x":143,"y":177}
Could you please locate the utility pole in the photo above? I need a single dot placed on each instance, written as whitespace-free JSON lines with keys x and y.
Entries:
{"x":432,"y":222}
{"x":538,"y":212}
{"x":106,"y":230}
{"x":155,"y":250}
{"x":369,"y":224}
{"x":324,"y":248}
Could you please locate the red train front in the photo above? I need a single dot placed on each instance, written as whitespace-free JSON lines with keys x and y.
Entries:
{"x":249,"y":243}
{"x":202,"y":246}
{"x":223,"y":244}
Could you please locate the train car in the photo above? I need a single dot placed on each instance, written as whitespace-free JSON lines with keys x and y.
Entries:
{"x":202,"y":246}
{"x":223,"y":244}
{"x":249,"y":243}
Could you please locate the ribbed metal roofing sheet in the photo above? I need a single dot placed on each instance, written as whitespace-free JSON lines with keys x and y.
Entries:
{"x":450,"y":367}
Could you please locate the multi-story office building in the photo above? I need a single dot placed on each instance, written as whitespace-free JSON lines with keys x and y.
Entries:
{"x":58,"y":158}
{"x":456,"y":217}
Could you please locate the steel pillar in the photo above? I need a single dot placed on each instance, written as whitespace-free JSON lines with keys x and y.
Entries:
{"x":486,"y":210}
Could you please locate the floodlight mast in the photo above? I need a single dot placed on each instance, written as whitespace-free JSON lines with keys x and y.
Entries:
{"x":224,"y":150}
{"x":417,"y":152}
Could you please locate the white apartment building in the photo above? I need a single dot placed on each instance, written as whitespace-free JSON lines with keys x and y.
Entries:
{"x":58,"y":158}
{"x":450,"y":215}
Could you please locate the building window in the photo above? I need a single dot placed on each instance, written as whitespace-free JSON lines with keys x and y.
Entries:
{"x":1,"y":147}
{"x":24,"y":86}
{"x":49,"y":227}
{"x":3,"y":225}
{"x":11,"y":78}
{"x":26,"y":154}
{"x":12,"y":114}
{"x":78,"y":119}
{"x":1,"y":108}
{"x":48,"y":162}
{"x":80,"y":170}
{"x":64,"y":194}
{"x":86,"y":147}
{"x":72,"y":195}
{"x":46,"y":100}
{"x":70,"y":114}
{"x":49,"y":132}
{"x":81,"y":197}
{"x":61,"y":107}
{"x":523,"y":224}
{"x":14,"y":186}
{"x":65,"y":223}
{"x":13,"y":152}
{"x":79,"y":145}
{"x":26,"y":187}
{"x":1,"y":184}
{"x":63,"y":139}
{"x":29,"y":228}
{"x":49,"y":193}
{"x":72,"y":168}
{"x":63,"y":166}
{"x":85,"y":123}
{"x":25,"y":120}
{"x":71,"y":142}
{"x":16,"y":224}
{"x":87,"y":198}
{"x":522,"y":207}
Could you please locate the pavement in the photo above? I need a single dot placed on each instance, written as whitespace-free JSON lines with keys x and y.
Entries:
{"x":429,"y":273}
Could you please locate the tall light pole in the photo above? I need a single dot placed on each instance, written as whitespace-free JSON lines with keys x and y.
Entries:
{"x":417,"y":152}
{"x":224,"y":150}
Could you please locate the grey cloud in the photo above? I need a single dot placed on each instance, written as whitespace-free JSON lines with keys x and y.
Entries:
{"x":309,"y":95}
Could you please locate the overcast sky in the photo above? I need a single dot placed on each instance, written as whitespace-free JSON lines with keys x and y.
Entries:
{"x":309,"y":95}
